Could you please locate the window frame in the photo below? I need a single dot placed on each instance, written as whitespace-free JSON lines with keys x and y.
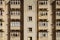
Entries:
{"x":43,"y":2}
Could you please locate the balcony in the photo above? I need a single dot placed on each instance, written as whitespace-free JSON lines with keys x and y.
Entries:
{"x":57,"y":24}
{"x":57,"y":3}
{"x":1,"y":6}
{"x":15,"y":28}
{"x":1,"y":35}
{"x":42,"y":28}
{"x":15,"y":3}
{"x":1,"y":3}
{"x":1,"y":27}
{"x":42,"y":4}
{"x":42,"y":17}
{"x":15,"y":17}
{"x":57,"y":6}
{"x":15,"y":6}
{"x":44,"y":38}
{"x":15,"y":24}
{"x":15,"y":35}
{"x":57,"y":27}
{"x":15,"y":13}
{"x":42,"y":25}
{"x":57,"y":17}
{"x":43,"y":35}
{"x":15,"y":38}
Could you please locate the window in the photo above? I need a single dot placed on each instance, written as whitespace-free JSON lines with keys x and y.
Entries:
{"x":58,"y":35}
{"x":30,"y":38}
{"x":43,"y":34}
{"x":1,"y":1}
{"x":30,"y":18}
{"x":0,"y":23}
{"x":43,"y":24}
{"x":58,"y":13}
{"x":15,"y":12}
{"x":14,"y":34}
{"x":44,"y":2}
{"x":30,"y":7}
{"x":30,"y":29}
{"x":43,"y":13}
{"x":15,"y":24}
{"x":16,"y":2}
{"x":58,"y":23}
{"x":58,"y":2}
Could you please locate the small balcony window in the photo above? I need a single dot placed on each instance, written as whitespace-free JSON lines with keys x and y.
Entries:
{"x":42,"y":2}
{"x":15,"y":2}
{"x":14,"y":34}
{"x":43,"y":34}
{"x":43,"y":22}
{"x":15,"y":24}
{"x":57,"y":13}
{"x":1,"y":1}
{"x":58,"y":2}
{"x":16,"y":12}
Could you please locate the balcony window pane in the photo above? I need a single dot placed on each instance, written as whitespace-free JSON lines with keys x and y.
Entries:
{"x":15,"y":24}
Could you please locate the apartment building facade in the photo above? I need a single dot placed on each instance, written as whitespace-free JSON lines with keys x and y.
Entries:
{"x":29,"y":19}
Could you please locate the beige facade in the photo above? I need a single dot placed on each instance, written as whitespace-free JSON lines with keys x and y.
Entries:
{"x":10,"y":19}
{"x":29,"y":19}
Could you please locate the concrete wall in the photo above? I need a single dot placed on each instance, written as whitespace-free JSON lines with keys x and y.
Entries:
{"x":33,"y":23}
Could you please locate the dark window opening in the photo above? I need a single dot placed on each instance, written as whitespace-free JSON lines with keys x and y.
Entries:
{"x":30,"y":7}
{"x":30,"y":38}
{"x":30,"y":18}
{"x":30,"y":29}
